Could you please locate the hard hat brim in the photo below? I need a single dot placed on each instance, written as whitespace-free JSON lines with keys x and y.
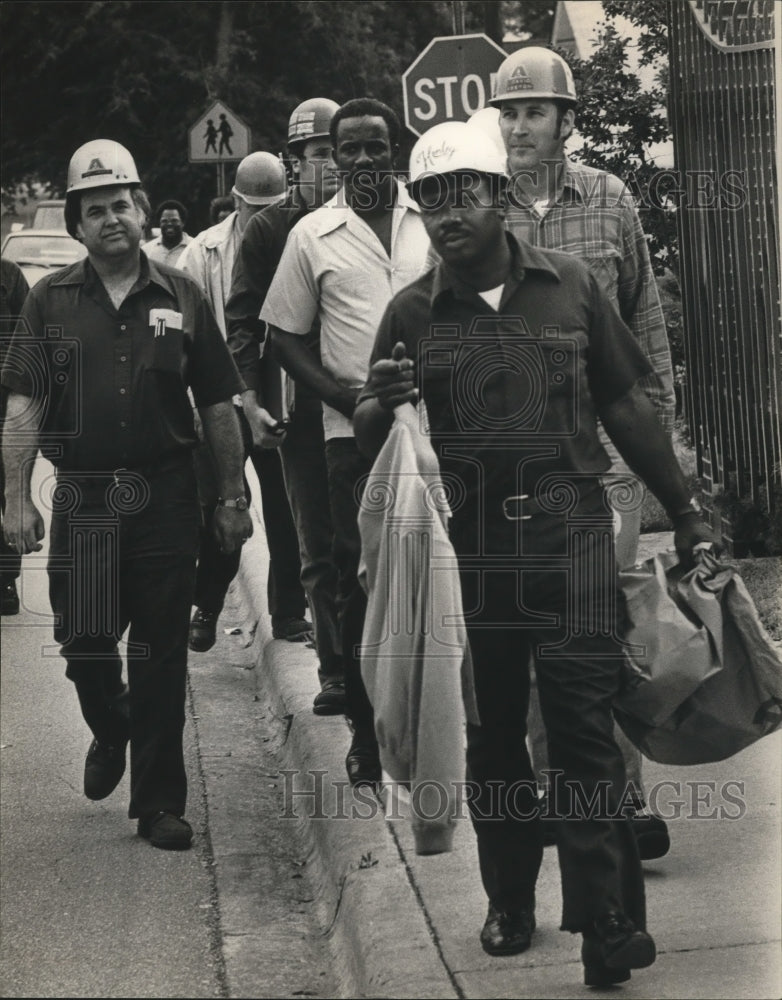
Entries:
{"x":529,"y":95}
{"x":268,"y":199}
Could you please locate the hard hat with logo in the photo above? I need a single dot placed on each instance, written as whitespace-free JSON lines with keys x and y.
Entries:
{"x":487,"y":122}
{"x":310,"y":120}
{"x":453,"y":147}
{"x":260,"y":179}
{"x":100,"y":163}
{"x":533,"y":72}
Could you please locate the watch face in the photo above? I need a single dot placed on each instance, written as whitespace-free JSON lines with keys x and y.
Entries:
{"x":241,"y":503}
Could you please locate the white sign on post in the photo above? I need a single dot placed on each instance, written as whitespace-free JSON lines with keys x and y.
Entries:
{"x":218,"y":135}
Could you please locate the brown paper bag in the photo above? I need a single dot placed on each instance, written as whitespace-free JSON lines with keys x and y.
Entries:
{"x":703,"y":679}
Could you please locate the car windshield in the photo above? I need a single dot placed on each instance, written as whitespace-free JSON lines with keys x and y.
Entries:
{"x":45,"y":251}
{"x":49,"y":217}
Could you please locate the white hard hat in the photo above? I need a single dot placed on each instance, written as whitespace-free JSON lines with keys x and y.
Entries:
{"x":260,"y":179}
{"x":100,"y":163}
{"x":454,"y":147}
{"x":487,"y":121}
{"x":534,"y":72}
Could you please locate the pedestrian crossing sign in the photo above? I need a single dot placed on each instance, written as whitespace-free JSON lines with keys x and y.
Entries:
{"x":217,"y":136}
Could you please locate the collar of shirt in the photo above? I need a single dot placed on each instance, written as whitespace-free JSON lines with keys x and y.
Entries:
{"x":574,"y":185}
{"x":524,"y":257}
{"x":158,"y":242}
{"x":218,"y":234}
{"x":341,"y":214}
{"x":85,"y":274}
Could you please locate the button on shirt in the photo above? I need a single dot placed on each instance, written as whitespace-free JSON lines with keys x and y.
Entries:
{"x":512,"y":394}
{"x":112,"y":383}
{"x":334,"y":268}
{"x":594,"y":218}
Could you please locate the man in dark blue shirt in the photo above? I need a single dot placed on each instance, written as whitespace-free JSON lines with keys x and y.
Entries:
{"x":98,"y":372}
{"x":516,"y":353}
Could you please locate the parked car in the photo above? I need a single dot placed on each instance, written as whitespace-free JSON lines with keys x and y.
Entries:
{"x":49,"y":215}
{"x":40,"y":251}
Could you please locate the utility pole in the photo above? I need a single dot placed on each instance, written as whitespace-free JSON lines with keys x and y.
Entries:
{"x":458,"y":16}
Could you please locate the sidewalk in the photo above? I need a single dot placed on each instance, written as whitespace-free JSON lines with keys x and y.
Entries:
{"x":407,"y":926}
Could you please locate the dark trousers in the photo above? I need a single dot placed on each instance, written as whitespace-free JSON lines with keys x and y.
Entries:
{"x":124,"y":556}
{"x":216,"y":569}
{"x":303,"y":454}
{"x":285,"y":592}
{"x":565,"y":614}
{"x":10,"y":559}
{"x":347,"y":471}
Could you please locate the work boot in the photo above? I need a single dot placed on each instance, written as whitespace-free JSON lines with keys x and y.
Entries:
{"x":103,"y":769}
{"x":203,"y":631}
{"x":330,"y":700}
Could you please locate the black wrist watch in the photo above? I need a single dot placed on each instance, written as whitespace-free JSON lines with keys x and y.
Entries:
{"x":240,"y":503}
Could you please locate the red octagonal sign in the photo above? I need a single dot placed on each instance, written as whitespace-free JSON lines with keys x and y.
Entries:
{"x":450,"y":80}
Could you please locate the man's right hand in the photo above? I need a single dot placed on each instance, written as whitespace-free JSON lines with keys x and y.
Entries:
{"x":392,"y":380}
{"x":266,"y":431}
{"x":23,"y":526}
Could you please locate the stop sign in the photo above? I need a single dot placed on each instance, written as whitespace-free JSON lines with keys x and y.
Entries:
{"x":450,"y":80}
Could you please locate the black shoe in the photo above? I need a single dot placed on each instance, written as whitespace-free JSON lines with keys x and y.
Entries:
{"x":363,"y":764}
{"x":596,"y":972}
{"x":203,"y":631}
{"x":293,"y":630}
{"x":167,"y":831}
{"x":651,"y":835}
{"x":103,"y":769}
{"x":330,"y":700}
{"x":612,"y":947}
{"x":9,"y":599}
{"x":508,"y":932}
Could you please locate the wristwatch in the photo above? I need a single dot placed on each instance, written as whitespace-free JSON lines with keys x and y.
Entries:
{"x":693,"y":507}
{"x":240,"y":503}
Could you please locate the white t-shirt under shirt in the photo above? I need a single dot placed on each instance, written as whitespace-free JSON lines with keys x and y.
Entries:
{"x":492,"y":296}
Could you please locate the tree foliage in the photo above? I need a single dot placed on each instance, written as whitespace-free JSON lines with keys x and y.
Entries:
{"x":143,"y":72}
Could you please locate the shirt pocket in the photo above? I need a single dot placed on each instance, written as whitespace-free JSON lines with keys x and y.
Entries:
{"x":167,"y":353}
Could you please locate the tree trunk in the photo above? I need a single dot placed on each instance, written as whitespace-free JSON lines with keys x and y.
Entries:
{"x":492,"y":20}
{"x":224,"y":32}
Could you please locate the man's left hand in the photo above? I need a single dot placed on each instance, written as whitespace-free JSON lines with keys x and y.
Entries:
{"x":690,"y":530}
{"x":232,"y":528}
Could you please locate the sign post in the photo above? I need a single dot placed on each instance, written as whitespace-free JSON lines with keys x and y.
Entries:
{"x":450,"y":80}
{"x":218,"y":136}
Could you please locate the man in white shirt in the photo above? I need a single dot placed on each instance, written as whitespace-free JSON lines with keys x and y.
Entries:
{"x":169,"y":246}
{"x":209,"y":260}
{"x":342,"y":265}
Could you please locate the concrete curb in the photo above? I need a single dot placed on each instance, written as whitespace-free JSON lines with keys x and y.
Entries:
{"x":368,"y":909}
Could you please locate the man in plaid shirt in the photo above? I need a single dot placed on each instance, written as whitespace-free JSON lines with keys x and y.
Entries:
{"x":561,"y":205}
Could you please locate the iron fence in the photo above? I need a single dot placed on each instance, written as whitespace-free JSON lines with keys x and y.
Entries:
{"x":723,"y":120}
